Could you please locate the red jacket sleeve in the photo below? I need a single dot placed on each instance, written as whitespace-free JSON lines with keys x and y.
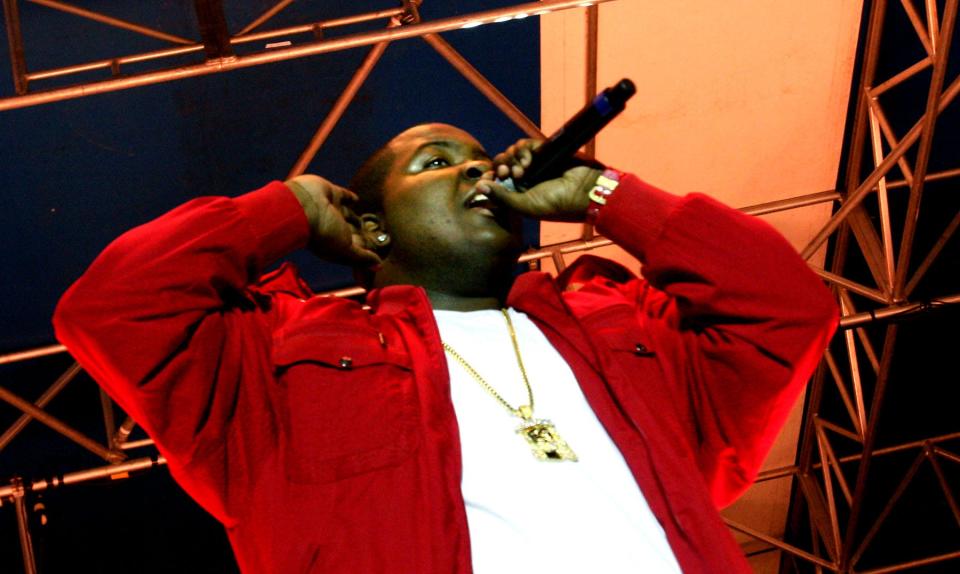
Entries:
{"x":746,"y":316}
{"x":164,"y":322}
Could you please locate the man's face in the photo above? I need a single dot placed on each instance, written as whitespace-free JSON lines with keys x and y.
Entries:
{"x":430,"y":203}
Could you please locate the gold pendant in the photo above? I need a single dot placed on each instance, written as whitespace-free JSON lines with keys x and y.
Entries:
{"x":545,"y":441}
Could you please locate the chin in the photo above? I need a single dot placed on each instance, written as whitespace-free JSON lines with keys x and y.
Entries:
{"x":502,"y":241}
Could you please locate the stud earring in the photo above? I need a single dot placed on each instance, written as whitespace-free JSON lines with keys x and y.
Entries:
{"x":382,"y":238}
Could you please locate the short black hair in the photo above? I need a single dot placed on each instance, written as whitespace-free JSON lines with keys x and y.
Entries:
{"x":369,"y":180}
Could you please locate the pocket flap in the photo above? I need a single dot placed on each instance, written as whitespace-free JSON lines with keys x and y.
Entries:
{"x":338,"y":346}
{"x":619,"y":329}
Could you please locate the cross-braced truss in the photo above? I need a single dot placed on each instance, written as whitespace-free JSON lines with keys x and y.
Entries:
{"x":831,"y":477}
{"x":832,"y":489}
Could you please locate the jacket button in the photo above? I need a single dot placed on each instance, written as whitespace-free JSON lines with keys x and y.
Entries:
{"x":346,"y":362}
{"x":641,"y":350}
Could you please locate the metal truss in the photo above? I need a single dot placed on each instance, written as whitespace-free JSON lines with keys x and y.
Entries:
{"x":219,"y":51}
{"x":831,"y":479}
{"x":831,"y":489}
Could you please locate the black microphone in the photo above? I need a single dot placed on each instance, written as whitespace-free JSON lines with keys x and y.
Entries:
{"x":554,"y":157}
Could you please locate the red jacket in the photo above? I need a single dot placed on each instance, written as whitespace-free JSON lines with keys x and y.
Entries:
{"x":321,"y":433}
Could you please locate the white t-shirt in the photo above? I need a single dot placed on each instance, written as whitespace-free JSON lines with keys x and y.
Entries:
{"x":527,"y":515}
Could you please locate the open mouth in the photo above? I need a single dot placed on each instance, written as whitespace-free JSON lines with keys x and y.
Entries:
{"x":481,"y":203}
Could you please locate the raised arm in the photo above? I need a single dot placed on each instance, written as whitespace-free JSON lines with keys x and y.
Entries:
{"x":739,"y":302}
{"x":165,"y":321}
{"x":746,"y":318}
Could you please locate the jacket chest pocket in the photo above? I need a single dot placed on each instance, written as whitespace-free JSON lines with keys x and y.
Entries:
{"x":654,"y":394}
{"x":349,"y":401}
{"x":636,"y":357}
{"x":639,"y":378}
{"x":619,"y":330}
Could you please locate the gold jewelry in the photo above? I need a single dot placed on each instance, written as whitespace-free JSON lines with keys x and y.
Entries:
{"x":540,"y":434}
{"x":603,"y":188}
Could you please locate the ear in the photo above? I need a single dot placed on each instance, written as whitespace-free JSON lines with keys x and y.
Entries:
{"x":373,"y":232}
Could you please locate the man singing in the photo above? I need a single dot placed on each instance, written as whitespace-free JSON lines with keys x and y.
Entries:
{"x":465,"y":419}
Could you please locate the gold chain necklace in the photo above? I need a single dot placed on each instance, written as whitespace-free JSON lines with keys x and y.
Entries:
{"x":540,"y":434}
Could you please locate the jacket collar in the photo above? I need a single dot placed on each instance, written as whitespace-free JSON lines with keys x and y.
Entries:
{"x":397,"y":299}
{"x":538,"y":295}
{"x":534,"y":293}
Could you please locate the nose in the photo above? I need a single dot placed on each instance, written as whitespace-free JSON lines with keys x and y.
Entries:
{"x":475,"y":169}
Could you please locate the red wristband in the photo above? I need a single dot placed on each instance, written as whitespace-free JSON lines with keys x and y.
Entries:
{"x":604,"y":187}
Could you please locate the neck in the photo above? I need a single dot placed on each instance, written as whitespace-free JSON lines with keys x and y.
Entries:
{"x":452,"y":302}
{"x":464,"y":291}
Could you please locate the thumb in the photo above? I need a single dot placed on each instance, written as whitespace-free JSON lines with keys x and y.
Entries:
{"x":514,"y":200}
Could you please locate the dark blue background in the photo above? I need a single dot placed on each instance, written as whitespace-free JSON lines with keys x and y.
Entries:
{"x":78,"y":173}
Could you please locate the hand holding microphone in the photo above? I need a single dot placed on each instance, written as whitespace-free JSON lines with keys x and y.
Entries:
{"x":546,"y":180}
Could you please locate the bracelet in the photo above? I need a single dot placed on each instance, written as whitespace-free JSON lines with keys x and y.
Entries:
{"x":604,"y":187}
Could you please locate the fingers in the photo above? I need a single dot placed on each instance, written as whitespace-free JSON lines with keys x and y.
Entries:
{"x":560,"y":199}
{"x":360,"y":256}
{"x":321,"y":190}
{"x":511,"y":163}
{"x":518,"y":202}
{"x":346,"y":194}
{"x":358,"y":253}
{"x":341,"y":197}
{"x":337,"y":231}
